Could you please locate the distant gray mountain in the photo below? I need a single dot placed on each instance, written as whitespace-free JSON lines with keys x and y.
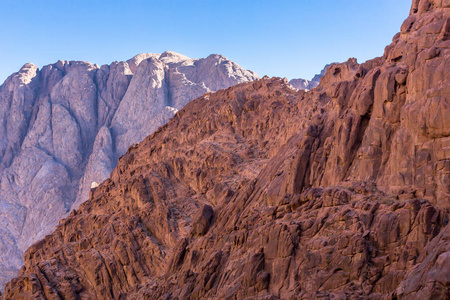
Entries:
{"x":64,"y":126}
{"x":304,"y":84}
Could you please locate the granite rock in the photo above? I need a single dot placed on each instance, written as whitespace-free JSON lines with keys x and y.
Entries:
{"x":262,"y":191}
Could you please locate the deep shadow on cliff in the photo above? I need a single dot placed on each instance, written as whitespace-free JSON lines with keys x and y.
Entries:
{"x":260,"y":191}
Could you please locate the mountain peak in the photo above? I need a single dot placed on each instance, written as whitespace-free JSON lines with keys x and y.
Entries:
{"x":67,"y":129}
{"x":173,"y":54}
{"x":27,"y":72}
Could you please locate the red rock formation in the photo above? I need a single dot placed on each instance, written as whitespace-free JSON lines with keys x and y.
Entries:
{"x":262,"y":192}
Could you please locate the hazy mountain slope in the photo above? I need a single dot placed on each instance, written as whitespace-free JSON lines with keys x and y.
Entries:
{"x":63,"y":127}
{"x":304,"y":84}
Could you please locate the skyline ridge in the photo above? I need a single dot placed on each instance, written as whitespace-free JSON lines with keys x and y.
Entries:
{"x":293,"y":40}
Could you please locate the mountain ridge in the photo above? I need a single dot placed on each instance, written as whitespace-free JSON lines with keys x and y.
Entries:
{"x":66,"y":124}
{"x":263,"y":191}
{"x":304,"y":84}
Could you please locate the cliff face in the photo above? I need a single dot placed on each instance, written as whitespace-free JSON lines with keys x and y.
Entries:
{"x":63,"y":127}
{"x":262,"y":191}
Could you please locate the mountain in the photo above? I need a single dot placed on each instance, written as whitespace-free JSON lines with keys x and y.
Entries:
{"x":304,"y":84}
{"x":261,"y":191}
{"x":64,"y":126}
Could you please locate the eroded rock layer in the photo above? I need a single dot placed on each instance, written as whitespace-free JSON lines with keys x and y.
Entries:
{"x":260,"y":191}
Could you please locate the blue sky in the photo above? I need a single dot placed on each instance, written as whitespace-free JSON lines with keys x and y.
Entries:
{"x":277,"y":38}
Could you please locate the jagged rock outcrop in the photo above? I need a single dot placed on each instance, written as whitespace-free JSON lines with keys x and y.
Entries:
{"x":261,"y":191}
{"x":64,"y":127}
{"x":304,"y":84}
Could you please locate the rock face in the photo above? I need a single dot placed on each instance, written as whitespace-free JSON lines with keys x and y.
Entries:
{"x":261,"y":191}
{"x":304,"y":84}
{"x":63,"y":127}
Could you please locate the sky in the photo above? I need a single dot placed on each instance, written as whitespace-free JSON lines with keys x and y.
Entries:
{"x":283,"y":38}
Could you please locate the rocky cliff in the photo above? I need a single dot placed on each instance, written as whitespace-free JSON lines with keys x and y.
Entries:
{"x":64,"y":126}
{"x":261,"y":191}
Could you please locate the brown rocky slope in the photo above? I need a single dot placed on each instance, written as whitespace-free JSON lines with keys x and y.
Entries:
{"x":64,"y":126}
{"x":262,"y":192}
